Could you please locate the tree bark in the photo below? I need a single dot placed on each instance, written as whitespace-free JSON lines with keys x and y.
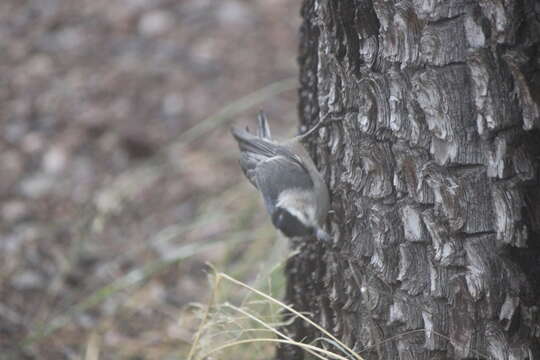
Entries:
{"x":433,"y":174}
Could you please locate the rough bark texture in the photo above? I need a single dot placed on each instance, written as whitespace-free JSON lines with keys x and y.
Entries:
{"x":433,"y":173}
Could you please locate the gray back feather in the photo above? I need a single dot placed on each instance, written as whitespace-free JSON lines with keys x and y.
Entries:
{"x":277,"y":174}
{"x":270,"y":167}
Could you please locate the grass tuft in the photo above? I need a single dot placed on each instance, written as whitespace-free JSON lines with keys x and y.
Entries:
{"x":253,"y":327}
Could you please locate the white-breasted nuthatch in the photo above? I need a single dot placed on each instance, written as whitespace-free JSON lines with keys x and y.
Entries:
{"x":293,"y":190}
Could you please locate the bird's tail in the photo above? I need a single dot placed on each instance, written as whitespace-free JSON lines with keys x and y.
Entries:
{"x":263,"y":130}
{"x":260,"y":144}
{"x":254,"y":148}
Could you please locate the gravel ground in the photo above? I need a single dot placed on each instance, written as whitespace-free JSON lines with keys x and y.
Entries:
{"x":93,"y":93}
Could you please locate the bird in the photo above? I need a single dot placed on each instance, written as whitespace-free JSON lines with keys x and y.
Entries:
{"x":294,"y":192}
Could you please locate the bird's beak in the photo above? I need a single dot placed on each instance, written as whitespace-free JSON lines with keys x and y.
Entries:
{"x":323,"y":235}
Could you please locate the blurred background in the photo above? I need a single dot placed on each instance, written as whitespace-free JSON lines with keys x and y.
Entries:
{"x":118,"y":176}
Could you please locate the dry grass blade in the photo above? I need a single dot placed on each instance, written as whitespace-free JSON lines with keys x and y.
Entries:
{"x":281,"y":341}
{"x":209,"y":322}
{"x":92,"y":347}
{"x":274,"y":330}
{"x":300,"y":315}
{"x":205,"y":316}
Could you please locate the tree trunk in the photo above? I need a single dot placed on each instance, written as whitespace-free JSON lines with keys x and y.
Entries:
{"x":433,"y":173}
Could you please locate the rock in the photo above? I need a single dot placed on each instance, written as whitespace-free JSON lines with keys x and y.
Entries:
{"x":27,"y":280}
{"x":37,"y":185}
{"x":54,"y":160}
{"x":155,"y":23}
{"x":11,"y":168}
{"x":32,"y":142}
{"x":172,"y":105}
{"x":234,"y":13}
{"x":39,"y":65}
{"x":13,"y":211}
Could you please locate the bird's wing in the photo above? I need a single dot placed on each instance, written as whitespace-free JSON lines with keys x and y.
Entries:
{"x":277,"y":174}
{"x":255,"y":150}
